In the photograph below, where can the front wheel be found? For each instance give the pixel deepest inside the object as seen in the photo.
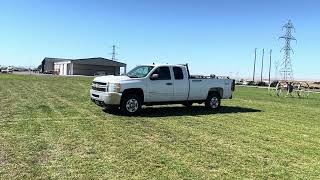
(213, 101)
(131, 104)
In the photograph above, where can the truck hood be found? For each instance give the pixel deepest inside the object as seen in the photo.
(111, 79)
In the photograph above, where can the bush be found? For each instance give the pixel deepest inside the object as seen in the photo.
(251, 83)
(262, 83)
(274, 83)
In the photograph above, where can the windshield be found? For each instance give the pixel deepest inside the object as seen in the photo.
(140, 71)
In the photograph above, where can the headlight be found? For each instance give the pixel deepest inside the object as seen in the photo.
(115, 87)
(118, 87)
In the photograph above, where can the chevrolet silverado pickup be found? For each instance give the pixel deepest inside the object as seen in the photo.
(159, 84)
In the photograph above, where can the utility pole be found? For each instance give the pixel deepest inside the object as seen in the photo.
(262, 65)
(254, 64)
(270, 67)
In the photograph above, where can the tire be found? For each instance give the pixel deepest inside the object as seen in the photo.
(213, 101)
(187, 104)
(131, 104)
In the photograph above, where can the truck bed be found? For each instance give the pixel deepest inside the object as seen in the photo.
(199, 87)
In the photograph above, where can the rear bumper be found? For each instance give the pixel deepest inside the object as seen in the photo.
(105, 98)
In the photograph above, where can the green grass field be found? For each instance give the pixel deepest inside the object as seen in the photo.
(49, 128)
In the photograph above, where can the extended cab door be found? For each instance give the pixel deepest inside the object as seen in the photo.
(160, 85)
(181, 84)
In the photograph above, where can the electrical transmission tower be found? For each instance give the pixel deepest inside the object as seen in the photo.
(286, 66)
(114, 53)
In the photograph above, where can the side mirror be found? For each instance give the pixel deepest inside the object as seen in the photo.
(154, 77)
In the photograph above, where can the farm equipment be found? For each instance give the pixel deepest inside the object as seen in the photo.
(293, 89)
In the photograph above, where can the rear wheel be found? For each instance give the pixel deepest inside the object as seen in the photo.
(213, 101)
(131, 104)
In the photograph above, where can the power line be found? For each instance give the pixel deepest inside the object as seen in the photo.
(276, 69)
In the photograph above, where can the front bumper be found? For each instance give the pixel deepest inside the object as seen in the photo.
(105, 98)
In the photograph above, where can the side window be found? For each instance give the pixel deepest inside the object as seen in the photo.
(164, 73)
(178, 74)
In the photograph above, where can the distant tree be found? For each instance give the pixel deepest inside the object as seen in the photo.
(39, 67)
(262, 83)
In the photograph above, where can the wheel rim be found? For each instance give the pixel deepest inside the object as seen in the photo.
(214, 102)
(132, 105)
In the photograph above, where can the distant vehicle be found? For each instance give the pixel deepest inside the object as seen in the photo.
(99, 74)
(9, 70)
(159, 84)
(239, 82)
(50, 72)
(249, 83)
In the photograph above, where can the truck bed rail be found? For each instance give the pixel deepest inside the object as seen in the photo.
(208, 77)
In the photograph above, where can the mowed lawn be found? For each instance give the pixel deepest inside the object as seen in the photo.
(49, 128)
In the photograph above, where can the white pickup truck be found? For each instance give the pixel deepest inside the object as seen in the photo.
(159, 84)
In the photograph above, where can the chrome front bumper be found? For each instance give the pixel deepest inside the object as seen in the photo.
(106, 98)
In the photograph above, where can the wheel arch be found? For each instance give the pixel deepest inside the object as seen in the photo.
(217, 90)
(136, 91)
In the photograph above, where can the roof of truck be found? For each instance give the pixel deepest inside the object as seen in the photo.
(179, 65)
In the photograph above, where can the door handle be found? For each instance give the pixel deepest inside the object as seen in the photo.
(169, 84)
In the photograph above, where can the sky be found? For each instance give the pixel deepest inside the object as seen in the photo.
(213, 37)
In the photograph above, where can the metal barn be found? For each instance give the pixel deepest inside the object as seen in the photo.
(88, 67)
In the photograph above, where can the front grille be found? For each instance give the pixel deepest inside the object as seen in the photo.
(99, 86)
(99, 83)
(99, 89)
